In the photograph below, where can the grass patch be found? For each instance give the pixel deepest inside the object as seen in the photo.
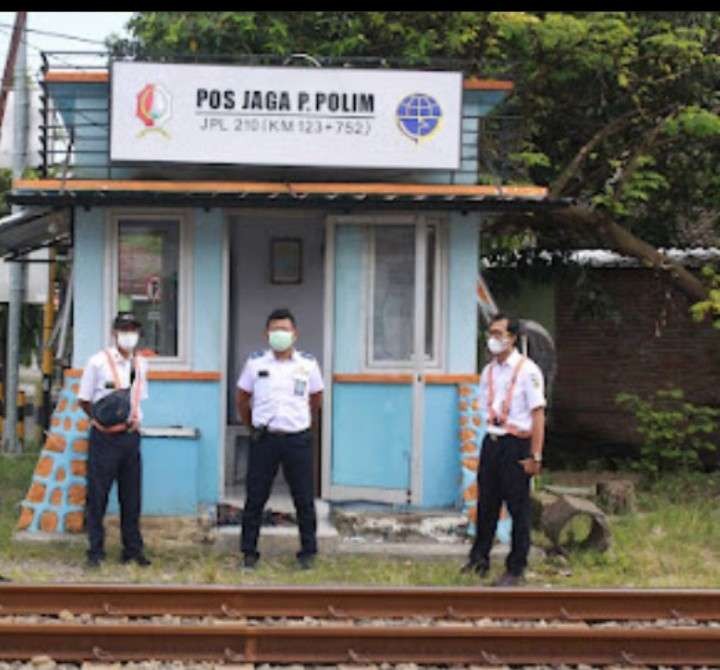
(15, 476)
(672, 541)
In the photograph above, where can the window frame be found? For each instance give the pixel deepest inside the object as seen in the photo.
(185, 219)
(440, 302)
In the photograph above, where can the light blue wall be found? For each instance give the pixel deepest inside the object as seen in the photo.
(372, 439)
(88, 284)
(208, 280)
(349, 298)
(372, 434)
(462, 307)
(170, 481)
(441, 447)
(179, 473)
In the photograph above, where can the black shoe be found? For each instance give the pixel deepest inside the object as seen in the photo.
(250, 561)
(508, 580)
(306, 562)
(142, 560)
(93, 562)
(475, 566)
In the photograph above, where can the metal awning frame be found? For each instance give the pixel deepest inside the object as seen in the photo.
(26, 221)
(335, 201)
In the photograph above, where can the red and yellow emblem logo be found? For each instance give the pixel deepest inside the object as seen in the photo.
(154, 109)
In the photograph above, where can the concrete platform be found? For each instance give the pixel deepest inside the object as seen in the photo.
(278, 540)
(283, 540)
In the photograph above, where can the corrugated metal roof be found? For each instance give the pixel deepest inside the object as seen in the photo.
(25, 231)
(355, 195)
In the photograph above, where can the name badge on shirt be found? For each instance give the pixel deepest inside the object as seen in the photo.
(300, 386)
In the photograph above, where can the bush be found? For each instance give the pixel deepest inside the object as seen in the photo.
(710, 307)
(676, 434)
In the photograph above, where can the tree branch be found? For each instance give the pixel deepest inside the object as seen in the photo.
(605, 231)
(634, 163)
(624, 242)
(559, 185)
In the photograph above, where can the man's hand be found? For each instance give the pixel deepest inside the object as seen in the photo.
(134, 425)
(531, 466)
(242, 401)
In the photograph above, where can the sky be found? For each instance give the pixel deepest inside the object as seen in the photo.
(89, 25)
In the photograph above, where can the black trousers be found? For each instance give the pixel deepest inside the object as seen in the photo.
(502, 478)
(294, 453)
(114, 457)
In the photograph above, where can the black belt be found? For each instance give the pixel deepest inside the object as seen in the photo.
(286, 433)
(497, 438)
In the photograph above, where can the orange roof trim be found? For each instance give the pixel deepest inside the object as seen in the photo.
(102, 76)
(292, 188)
(165, 375)
(92, 77)
(475, 84)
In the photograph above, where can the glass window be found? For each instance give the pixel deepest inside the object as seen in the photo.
(148, 264)
(393, 296)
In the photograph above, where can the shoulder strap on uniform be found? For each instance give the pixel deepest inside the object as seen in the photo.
(113, 368)
(136, 389)
(505, 407)
(511, 389)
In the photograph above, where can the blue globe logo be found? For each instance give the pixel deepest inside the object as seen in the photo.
(418, 116)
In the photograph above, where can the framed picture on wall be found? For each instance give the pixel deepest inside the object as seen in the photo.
(286, 260)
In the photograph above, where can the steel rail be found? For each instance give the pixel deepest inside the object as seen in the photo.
(336, 644)
(358, 602)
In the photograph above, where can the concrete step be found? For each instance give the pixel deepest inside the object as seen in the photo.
(282, 502)
(277, 540)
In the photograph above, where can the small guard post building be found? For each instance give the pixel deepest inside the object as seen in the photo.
(202, 196)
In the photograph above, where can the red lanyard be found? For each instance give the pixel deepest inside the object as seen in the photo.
(505, 407)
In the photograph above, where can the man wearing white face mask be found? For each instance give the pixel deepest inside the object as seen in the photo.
(113, 383)
(513, 400)
(278, 391)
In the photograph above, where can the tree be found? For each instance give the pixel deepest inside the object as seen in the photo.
(621, 109)
(5, 185)
(710, 307)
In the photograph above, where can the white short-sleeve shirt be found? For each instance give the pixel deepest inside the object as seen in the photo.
(281, 389)
(528, 394)
(97, 378)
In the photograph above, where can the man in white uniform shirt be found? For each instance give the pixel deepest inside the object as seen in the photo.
(278, 391)
(513, 400)
(113, 383)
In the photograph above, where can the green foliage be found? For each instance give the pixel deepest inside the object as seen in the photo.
(31, 321)
(648, 78)
(531, 159)
(710, 307)
(676, 433)
(695, 122)
(15, 478)
(5, 184)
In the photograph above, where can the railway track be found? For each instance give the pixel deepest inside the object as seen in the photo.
(110, 622)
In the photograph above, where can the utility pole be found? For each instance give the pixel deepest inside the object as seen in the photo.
(18, 28)
(17, 276)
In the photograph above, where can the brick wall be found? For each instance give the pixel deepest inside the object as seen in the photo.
(655, 345)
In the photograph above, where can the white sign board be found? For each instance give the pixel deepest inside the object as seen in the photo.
(285, 116)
